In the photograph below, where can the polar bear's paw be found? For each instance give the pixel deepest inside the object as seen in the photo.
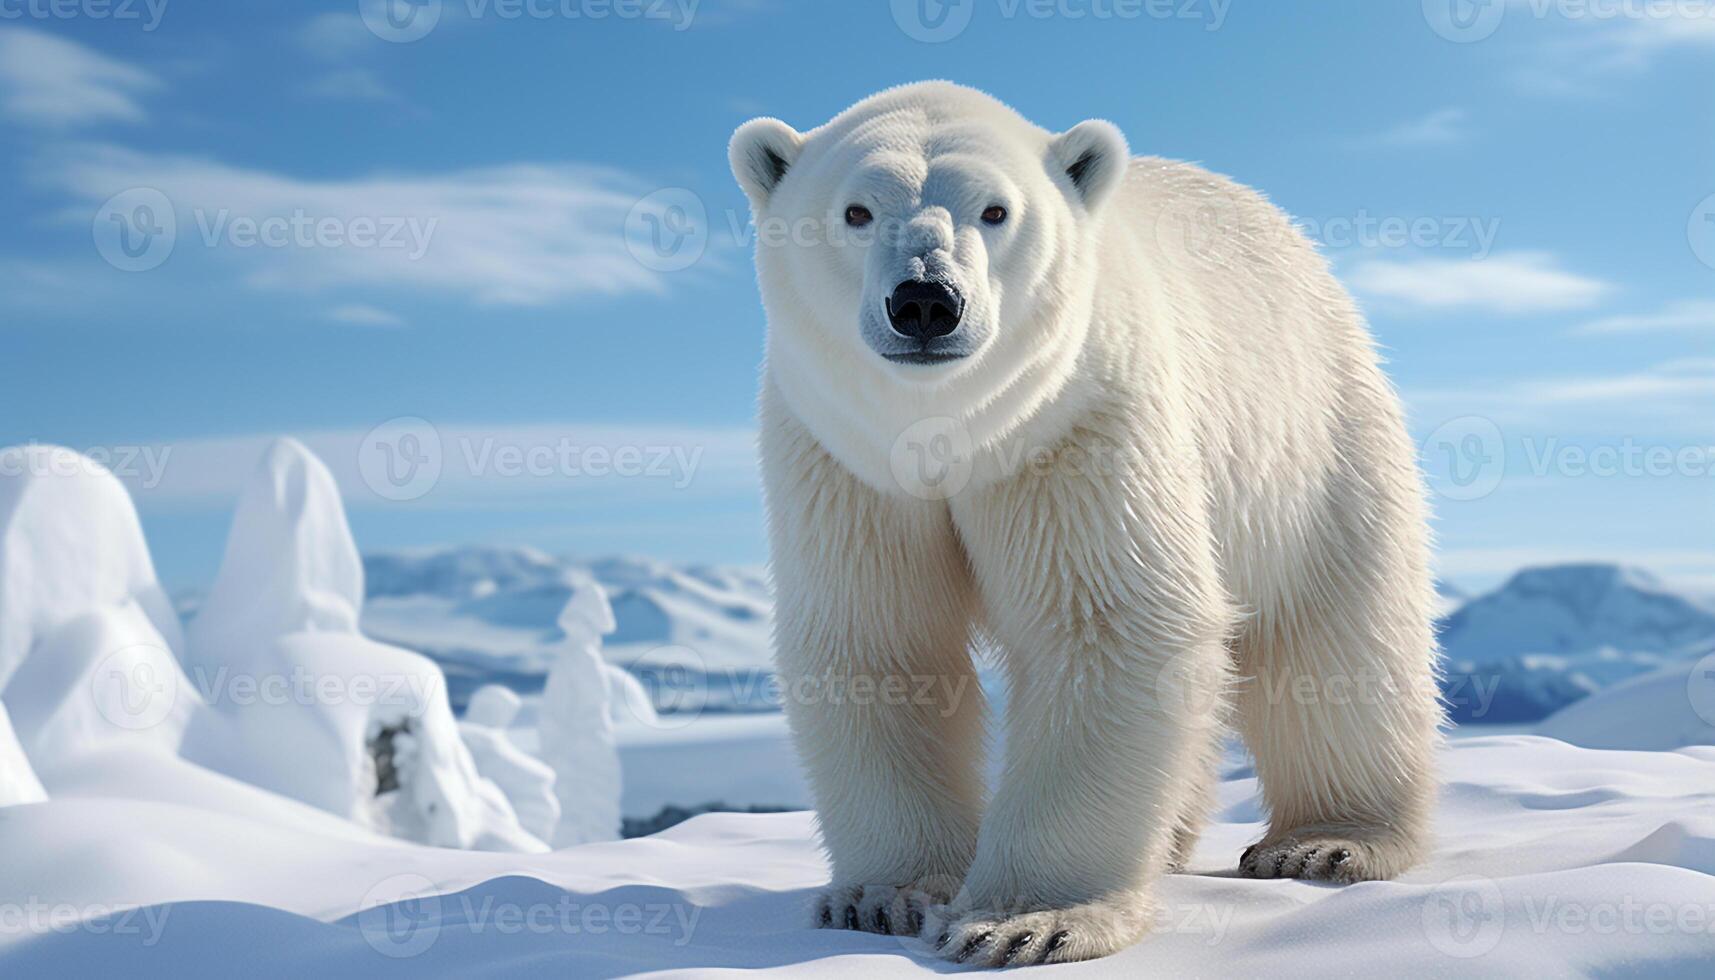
(891, 910)
(1050, 935)
(1313, 856)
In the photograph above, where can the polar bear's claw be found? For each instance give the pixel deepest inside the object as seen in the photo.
(1061, 935)
(885, 909)
(1316, 859)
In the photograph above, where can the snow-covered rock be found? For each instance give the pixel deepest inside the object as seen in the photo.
(304, 704)
(575, 724)
(527, 781)
(18, 782)
(1671, 708)
(87, 636)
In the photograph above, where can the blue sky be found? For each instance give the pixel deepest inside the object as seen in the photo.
(456, 228)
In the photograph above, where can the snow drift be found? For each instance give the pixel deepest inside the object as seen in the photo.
(306, 706)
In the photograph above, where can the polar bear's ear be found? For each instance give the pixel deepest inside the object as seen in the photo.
(761, 152)
(1093, 155)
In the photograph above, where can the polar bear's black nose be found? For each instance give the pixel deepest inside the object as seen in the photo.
(924, 310)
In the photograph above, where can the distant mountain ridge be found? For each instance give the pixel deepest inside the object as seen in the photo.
(1551, 635)
(1545, 638)
(488, 614)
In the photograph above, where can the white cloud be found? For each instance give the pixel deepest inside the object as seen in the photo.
(1589, 44)
(1678, 565)
(476, 466)
(49, 81)
(1690, 314)
(351, 85)
(364, 315)
(335, 35)
(1507, 283)
(519, 234)
(1671, 401)
(1439, 128)
(1691, 379)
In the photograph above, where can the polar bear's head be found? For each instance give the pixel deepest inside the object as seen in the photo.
(925, 225)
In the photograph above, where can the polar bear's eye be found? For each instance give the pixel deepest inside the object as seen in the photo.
(994, 215)
(857, 216)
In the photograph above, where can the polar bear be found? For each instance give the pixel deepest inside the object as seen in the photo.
(1113, 419)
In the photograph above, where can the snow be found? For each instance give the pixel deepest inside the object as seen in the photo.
(1553, 860)
(280, 794)
(1550, 636)
(527, 781)
(1669, 709)
(70, 543)
(575, 722)
(490, 615)
(18, 782)
(303, 704)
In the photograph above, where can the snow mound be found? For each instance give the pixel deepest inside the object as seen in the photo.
(1669, 709)
(527, 781)
(303, 704)
(575, 724)
(18, 782)
(1552, 860)
(87, 635)
(70, 542)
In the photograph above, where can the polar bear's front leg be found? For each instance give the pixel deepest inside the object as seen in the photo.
(1101, 591)
(873, 620)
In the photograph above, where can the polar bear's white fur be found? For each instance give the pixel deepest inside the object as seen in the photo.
(1155, 466)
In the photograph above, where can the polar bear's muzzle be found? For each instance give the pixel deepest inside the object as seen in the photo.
(924, 315)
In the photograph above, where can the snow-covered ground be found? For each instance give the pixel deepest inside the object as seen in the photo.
(347, 825)
(1553, 861)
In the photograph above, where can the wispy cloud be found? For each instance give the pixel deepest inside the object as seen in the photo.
(51, 82)
(520, 234)
(364, 315)
(1511, 283)
(352, 85)
(1690, 314)
(1671, 400)
(1439, 128)
(335, 35)
(458, 465)
(1586, 46)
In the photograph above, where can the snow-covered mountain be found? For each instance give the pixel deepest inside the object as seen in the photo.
(488, 616)
(1551, 635)
(1547, 637)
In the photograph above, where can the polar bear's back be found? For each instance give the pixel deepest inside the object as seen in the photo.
(1240, 318)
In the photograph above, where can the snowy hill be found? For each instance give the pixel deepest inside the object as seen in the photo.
(1546, 638)
(488, 616)
(1553, 635)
